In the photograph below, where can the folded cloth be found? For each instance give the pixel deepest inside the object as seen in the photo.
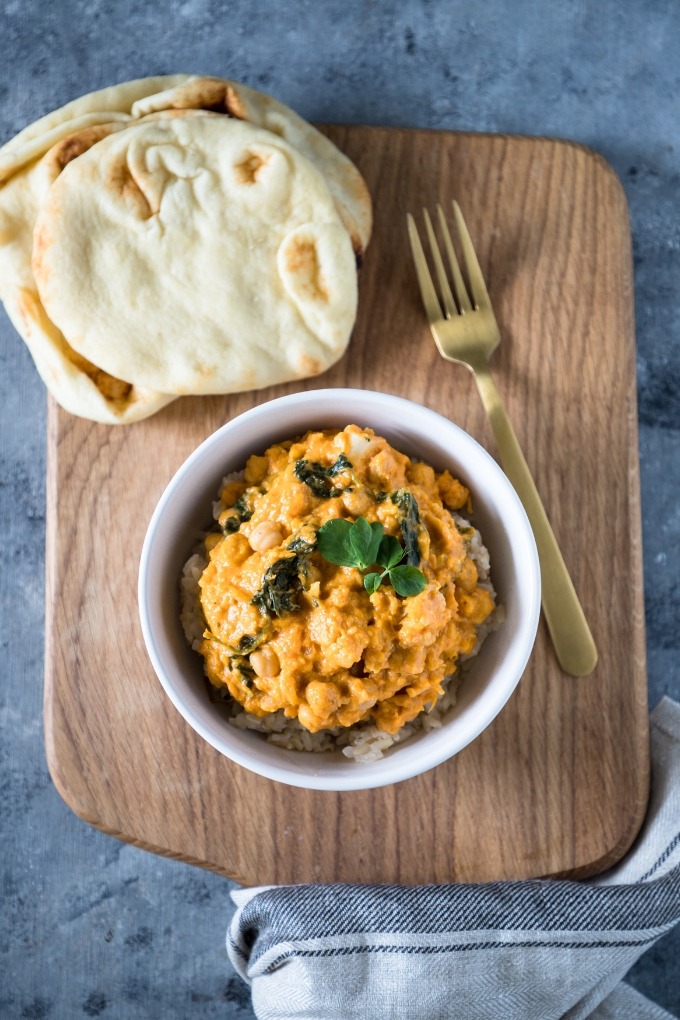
(535, 949)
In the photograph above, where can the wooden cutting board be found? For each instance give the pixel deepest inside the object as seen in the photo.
(558, 783)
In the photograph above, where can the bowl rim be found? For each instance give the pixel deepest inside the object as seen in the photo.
(398, 765)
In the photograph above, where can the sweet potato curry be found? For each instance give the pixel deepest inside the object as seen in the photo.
(287, 629)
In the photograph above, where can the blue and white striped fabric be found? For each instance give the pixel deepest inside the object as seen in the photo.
(540, 949)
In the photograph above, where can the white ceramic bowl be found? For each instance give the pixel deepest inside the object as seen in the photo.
(185, 508)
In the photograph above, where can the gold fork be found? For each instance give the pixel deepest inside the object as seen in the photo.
(465, 331)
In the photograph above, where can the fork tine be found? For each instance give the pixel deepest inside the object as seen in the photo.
(458, 282)
(444, 288)
(477, 286)
(427, 291)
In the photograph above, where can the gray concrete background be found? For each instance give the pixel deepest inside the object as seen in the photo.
(93, 927)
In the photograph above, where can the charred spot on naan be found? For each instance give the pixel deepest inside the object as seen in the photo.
(308, 366)
(74, 145)
(121, 181)
(32, 313)
(357, 247)
(212, 94)
(172, 114)
(301, 260)
(41, 242)
(360, 194)
(248, 168)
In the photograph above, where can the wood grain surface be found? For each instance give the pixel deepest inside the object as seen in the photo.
(558, 783)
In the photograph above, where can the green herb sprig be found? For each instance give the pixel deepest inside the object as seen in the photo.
(364, 545)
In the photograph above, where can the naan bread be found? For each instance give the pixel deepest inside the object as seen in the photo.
(135, 99)
(192, 253)
(81, 387)
(31, 163)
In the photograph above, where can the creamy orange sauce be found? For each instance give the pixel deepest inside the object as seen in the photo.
(338, 655)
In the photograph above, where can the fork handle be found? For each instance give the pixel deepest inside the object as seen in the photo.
(571, 637)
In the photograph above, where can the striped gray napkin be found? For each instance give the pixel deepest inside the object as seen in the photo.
(537, 949)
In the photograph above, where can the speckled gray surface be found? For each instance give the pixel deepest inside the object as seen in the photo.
(89, 926)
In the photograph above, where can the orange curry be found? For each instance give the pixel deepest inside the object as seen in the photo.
(286, 629)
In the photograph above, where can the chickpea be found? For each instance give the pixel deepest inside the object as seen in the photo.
(265, 662)
(467, 578)
(265, 535)
(323, 698)
(357, 502)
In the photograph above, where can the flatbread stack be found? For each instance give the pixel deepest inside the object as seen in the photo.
(177, 235)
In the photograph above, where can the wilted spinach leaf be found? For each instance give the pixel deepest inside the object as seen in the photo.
(410, 524)
(317, 476)
(283, 580)
(241, 511)
(280, 586)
